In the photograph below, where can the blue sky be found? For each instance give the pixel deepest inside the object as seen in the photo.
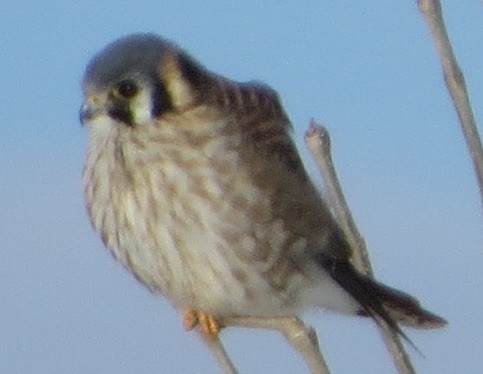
(368, 71)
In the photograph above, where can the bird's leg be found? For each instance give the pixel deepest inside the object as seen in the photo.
(209, 325)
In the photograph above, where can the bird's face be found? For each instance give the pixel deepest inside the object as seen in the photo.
(127, 101)
(136, 81)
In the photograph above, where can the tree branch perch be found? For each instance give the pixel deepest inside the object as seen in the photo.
(455, 82)
(318, 141)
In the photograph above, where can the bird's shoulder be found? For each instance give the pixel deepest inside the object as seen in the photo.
(259, 114)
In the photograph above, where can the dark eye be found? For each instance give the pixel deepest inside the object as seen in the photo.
(127, 89)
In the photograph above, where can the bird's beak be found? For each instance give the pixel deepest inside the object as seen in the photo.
(90, 109)
(85, 113)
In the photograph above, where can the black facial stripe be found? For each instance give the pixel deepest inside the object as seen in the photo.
(192, 72)
(121, 113)
(161, 100)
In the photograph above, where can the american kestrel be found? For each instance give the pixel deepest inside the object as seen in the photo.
(195, 185)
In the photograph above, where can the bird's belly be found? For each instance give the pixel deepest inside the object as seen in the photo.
(220, 252)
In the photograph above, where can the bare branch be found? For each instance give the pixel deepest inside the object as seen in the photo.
(455, 82)
(219, 353)
(301, 337)
(318, 141)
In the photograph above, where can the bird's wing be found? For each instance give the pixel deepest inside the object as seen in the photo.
(253, 105)
(258, 110)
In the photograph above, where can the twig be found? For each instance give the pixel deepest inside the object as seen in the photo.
(318, 141)
(219, 353)
(301, 337)
(455, 82)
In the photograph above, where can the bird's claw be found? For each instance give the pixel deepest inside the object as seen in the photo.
(210, 327)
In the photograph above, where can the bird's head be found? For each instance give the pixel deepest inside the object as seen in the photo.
(137, 79)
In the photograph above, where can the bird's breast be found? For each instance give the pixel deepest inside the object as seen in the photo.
(190, 222)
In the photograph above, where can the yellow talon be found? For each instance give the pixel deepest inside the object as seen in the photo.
(209, 325)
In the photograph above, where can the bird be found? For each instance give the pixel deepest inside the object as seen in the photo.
(195, 185)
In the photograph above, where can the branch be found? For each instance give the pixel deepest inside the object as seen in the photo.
(455, 82)
(219, 353)
(318, 141)
(301, 337)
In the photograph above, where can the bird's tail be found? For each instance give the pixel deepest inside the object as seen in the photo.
(378, 300)
(405, 309)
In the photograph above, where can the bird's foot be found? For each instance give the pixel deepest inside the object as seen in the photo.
(210, 327)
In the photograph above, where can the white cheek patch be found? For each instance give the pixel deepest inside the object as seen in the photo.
(141, 107)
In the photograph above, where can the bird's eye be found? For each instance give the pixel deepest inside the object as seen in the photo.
(127, 89)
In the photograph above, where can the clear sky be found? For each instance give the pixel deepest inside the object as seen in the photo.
(367, 70)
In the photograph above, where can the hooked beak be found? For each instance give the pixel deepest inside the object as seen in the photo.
(90, 109)
(93, 108)
(85, 113)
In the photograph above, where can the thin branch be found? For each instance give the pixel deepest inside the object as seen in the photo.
(455, 82)
(318, 141)
(220, 354)
(301, 337)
